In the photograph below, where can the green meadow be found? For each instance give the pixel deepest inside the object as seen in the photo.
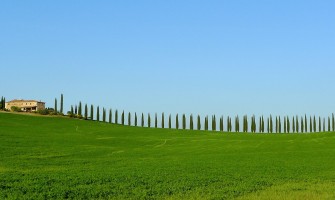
(59, 157)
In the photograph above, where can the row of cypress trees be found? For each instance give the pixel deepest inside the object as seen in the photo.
(274, 125)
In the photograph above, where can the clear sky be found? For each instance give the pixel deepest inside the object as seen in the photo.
(208, 57)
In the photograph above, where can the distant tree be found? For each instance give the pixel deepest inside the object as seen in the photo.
(61, 104)
(103, 115)
(98, 114)
(135, 120)
(324, 125)
(116, 116)
(199, 123)
(213, 123)
(314, 123)
(237, 124)
(328, 124)
(297, 124)
(191, 122)
(170, 122)
(184, 121)
(71, 112)
(92, 111)
(268, 125)
(260, 124)
(263, 125)
(1, 103)
(293, 125)
(156, 121)
(129, 119)
(55, 108)
(142, 120)
(163, 120)
(149, 120)
(122, 117)
(221, 123)
(319, 124)
(76, 110)
(79, 109)
(110, 116)
(177, 122)
(206, 123)
(271, 124)
(279, 124)
(86, 112)
(333, 122)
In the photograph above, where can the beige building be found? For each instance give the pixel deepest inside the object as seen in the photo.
(26, 105)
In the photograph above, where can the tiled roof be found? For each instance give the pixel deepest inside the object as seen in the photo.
(22, 100)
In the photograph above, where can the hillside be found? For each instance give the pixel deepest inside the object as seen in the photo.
(55, 157)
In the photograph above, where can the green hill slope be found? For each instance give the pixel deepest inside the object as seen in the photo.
(50, 157)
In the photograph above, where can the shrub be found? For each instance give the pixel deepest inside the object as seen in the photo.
(43, 112)
(15, 109)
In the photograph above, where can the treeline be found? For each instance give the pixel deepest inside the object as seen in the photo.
(2, 103)
(270, 124)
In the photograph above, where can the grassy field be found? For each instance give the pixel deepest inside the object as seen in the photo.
(55, 157)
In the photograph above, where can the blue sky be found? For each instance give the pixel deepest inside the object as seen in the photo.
(206, 57)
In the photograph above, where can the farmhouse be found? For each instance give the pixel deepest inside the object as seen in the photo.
(25, 105)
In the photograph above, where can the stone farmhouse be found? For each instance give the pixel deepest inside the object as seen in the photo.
(25, 105)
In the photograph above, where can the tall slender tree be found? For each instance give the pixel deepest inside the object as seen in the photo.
(1, 103)
(310, 124)
(191, 122)
(156, 121)
(149, 120)
(319, 124)
(221, 123)
(135, 120)
(170, 122)
(306, 124)
(122, 117)
(110, 117)
(302, 125)
(198, 123)
(61, 104)
(314, 123)
(271, 124)
(103, 115)
(329, 124)
(116, 116)
(55, 108)
(79, 109)
(293, 125)
(324, 125)
(129, 119)
(297, 124)
(163, 124)
(263, 126)
(76, 110)
(288, 124)
(237, 124)
(206, 123)
(333, 122)
(98, 114)
(71, 112)
(284, 124)
(92, 111)
(213, 123)
(86, 112)
(184, 121)
(279, 124)
(142, 120)
(268, 125)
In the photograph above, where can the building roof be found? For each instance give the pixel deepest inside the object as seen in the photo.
(22, 101)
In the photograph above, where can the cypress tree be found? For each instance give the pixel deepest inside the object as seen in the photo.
(306, 124)
(135, 121)
(122, 117)
(302, 125)
(61, 103)
(92, 117)
(156, 122)
(228, 124)
(170, 122)
(163, 124)
(328, 124)
(199, 123)
(271, 124)
(268, 126)
(4, 103)
(55, 106)
(191, 122)
(86, 112)
(103, 115)
(142, 120)
(149, 120)
(284, 124)
(129, 119)
(260, 124)
(221, 123)
(206, 123)
(1, 103)
(324, 125)
(333, 122)
(110, 116)
(98, 114)
(213, 123)
(319, 124)
(76, 110)
(293, 125)
(79, 109)
(263, 126)
(71, 112)
(314, 124)
(116, 116)
(184, 121)
(177, 122)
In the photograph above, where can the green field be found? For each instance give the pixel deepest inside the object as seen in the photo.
(58, 157)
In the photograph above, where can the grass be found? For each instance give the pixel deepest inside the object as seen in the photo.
(57, 158)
